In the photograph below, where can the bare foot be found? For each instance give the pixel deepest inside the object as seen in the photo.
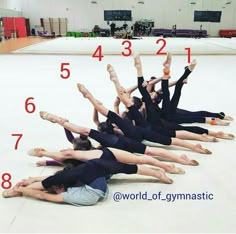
(171, 168)
(52, 118)
(83, 90)
(162, 176)
(137, 60)
(186, 161)
(226, 117)
(206, 138)
(113, 76)
(10, 193)
(221, 122)
(38, 152)
(223, 135)
(167, 62)
(201, 150)
(229, 118)
(192, 65)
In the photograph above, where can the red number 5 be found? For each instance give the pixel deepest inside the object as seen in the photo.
(65, 70)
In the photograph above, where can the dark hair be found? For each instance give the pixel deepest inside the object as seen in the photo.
(158, 98)
(126, 115)
(71, 163)
(106, 127)
(137, 102)
(54, 188)
(82, 143)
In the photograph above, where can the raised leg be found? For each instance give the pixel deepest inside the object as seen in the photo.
(181, 134)
(97, 105)
(196, 148)
(142, 170)
(166, 154)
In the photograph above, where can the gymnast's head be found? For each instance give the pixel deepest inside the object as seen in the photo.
(82, 143)
(137, 102)
(106, 127)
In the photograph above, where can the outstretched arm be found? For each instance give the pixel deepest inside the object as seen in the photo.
(116, 106)
(171, 83)
(39, 194)
(95, 117)
(69, 135)
(151, 83)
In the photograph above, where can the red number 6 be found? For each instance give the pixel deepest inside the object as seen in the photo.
(27, 104)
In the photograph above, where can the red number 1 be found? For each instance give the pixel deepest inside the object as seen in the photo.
(189, 54)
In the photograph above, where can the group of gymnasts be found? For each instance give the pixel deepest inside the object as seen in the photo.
(124, 140)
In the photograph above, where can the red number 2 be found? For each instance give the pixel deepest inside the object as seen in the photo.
(162, 47)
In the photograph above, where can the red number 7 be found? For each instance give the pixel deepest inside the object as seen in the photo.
(17, 141)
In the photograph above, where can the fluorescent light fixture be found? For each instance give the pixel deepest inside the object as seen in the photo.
(140, 2)
(192, 3)
(94, 2)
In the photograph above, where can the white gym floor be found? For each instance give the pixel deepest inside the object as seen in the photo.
(211, 87)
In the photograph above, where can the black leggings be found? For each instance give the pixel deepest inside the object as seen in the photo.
(140, 121)
(183, 116)
(153, 114)
(136, 132)
(153, 110)
(87, 172)
(118, 142)
(170, 110)
(194, 129)
(169, 107)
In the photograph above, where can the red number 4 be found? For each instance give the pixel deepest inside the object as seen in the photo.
(98, 53)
